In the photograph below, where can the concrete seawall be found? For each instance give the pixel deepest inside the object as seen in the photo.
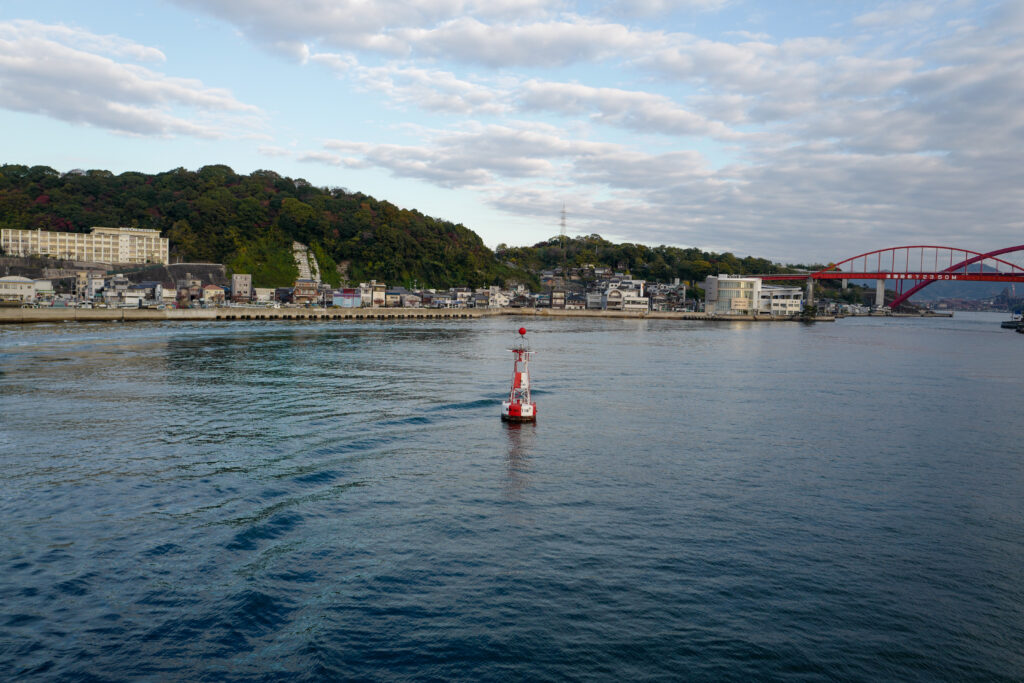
(49, 315)
(43, 315)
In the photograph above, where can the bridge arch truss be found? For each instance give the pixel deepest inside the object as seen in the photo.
(923, 265)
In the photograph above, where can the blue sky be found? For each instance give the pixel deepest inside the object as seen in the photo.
(796, 131)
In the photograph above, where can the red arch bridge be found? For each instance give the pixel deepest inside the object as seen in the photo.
(913, 268)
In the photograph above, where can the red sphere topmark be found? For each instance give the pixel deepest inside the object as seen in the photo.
(522, 330)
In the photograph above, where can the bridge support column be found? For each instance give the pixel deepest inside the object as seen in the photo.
(846, 284)
(879, 293)
(810, 291)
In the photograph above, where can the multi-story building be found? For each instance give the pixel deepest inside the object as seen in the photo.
(780, 300)
(102, 245)
(732, 294)
(241, 287)
(305, 291)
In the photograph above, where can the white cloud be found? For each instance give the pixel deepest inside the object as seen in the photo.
(640, 111)
(896, 15)
(115, 46)
(546, 44)
(427, 89)
(273, 151)
(40, 74)
(903, 119)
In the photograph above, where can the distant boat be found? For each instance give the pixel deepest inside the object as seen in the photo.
(1013, 323)
(520, 407)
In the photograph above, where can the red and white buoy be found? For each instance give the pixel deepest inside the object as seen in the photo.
(520, 407)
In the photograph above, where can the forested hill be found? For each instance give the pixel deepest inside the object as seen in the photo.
(660, 264)
(248, 222)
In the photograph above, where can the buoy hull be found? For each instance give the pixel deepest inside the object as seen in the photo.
(518, 412)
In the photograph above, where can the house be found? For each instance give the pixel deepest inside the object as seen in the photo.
(263, 294)
(558, 299)
(348, 297)
(17, 288)
(213, 295)
(522, 300)
(150, 291)
(305, 291)
(283, 295)
(115, 289)
(442, 300)
(43, 290)
(498, 298)
(634, 302)
(575, 302)
(612, 300)
(193, 289)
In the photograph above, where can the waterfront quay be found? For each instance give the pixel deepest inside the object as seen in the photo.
(51, 315)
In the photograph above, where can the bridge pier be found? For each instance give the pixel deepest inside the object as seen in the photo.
(879, 293)
(810, 291)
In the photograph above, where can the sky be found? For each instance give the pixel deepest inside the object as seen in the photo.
(796, 131)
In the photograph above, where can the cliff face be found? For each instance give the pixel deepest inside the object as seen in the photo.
(250, 221)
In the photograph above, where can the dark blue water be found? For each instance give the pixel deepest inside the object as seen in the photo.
(304, 501)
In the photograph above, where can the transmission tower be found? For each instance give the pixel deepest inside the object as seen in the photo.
(565, 270)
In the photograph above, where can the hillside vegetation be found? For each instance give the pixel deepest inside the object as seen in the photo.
(649, 263)
(248, 222)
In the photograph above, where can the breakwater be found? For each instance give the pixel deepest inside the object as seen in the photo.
(50, 315)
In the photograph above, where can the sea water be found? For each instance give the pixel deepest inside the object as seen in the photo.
(314, 500)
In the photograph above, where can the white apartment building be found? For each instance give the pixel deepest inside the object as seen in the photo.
(102, 245)
(732, 294)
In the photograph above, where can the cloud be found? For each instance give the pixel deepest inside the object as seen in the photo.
(321, 158)
(902, 120)
(112, 45)
(427, 89)
(45, 70)
(895, 15)
(639, 111)
(547, 44)
(474, 157)
(273, 151)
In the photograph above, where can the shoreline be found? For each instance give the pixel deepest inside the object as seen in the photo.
(17, 316)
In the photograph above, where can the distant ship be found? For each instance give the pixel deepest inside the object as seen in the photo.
(1014, 323)
(520, 407)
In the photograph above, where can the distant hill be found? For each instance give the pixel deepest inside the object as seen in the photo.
(662, 263)
(249, 222)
